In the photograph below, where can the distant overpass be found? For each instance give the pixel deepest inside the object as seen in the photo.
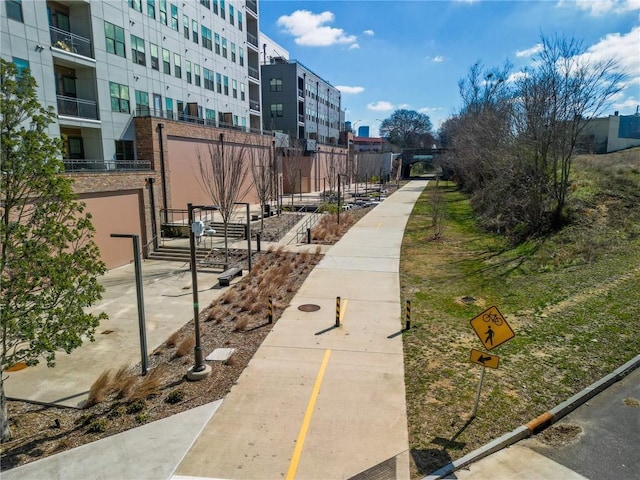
(422, 155)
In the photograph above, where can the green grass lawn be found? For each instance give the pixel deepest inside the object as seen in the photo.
(573, 300)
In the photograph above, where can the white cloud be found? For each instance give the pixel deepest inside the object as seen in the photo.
(438, 59)
(430, 110)
(515, 76)
(310, 29)
(598, 8)
(354, 46)
(530, 51)
(368, 32)
(621, 47)
(380, 106)
(349, 89)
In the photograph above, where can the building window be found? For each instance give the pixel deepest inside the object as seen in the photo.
(240, 21)
(174, 17)
(226, 85)
(219, 82)
(188, 69)
(210, 115)
(114, 37)
(151, 8)
(154, 57)
(119, 97)
(136, 5)
(21, 65)
(224, 47)
(208, 79)
(276, 110)
(275, 84)
(166, 61)
(217, 39)
(163, 11)
(231, 15)
(177, 65)
(14, 10)
(222, 12)
(185, 26)
(242, 95)
(194, 31)
(206, 37)
(124, 150)
(142, 103)
(206, 3)
(137, 51)
(233, 52)
(241, 56)
(169, 105)
(215, 6)
(196, 74)
(234, 88)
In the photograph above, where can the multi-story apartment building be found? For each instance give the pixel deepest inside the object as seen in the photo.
(140, 88)
(300, 104)
(98, 63)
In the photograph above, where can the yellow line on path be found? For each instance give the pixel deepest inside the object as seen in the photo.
(344, 307)
(295, 459)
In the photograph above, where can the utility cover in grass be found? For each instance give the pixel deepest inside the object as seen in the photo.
(220, 354)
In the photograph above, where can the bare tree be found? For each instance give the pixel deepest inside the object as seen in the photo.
(263, 174)
(223, 170)
(291, 164)
(556, 100)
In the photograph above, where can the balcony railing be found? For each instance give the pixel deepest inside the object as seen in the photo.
(77, 107)
(70, 42)
(90, 166)
(253, 73)
(253, 40)
(254, 105)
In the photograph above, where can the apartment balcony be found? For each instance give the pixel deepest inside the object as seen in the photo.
(254, 105)
(70, 42)
(254, 73)
(253, 6)
(97, 166)
(252, 39)
(77, 107)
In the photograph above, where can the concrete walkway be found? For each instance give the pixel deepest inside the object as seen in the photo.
(319, 401)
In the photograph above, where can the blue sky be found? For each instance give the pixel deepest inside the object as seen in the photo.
(385, 54)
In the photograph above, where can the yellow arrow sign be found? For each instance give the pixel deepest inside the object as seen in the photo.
(484, 359)
(492, 329)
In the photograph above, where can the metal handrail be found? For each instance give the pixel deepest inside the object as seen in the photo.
(309, 222)
(70, 42)
(73, 165)
(77, 107)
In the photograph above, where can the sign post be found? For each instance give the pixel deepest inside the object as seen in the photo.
(492, 330)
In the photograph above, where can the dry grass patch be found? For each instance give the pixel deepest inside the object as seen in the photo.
(185, 347)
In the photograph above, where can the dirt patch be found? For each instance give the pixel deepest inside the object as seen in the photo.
(560, 434)
(632, 402)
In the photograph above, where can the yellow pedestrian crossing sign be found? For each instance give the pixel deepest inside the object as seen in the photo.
(492, 329)
(484, 359)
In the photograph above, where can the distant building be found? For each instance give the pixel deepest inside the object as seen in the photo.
(299, 103)
(610, 134)
(363, 131)
(368, 144)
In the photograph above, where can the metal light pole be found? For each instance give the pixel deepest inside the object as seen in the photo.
(248, 231)
(139, 295)
(199, 370)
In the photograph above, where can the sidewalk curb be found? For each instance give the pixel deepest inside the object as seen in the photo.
(539, 423)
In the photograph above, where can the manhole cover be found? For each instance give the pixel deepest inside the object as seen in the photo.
(309, 307)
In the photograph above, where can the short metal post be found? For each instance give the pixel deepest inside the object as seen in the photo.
(337, 311)
(270, 310)
(408, 316)
(258, 242)
(475, 407)
(308, 236)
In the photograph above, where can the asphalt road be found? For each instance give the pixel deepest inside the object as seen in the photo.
(609, 445)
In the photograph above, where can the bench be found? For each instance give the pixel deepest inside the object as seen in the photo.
(225, 277)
